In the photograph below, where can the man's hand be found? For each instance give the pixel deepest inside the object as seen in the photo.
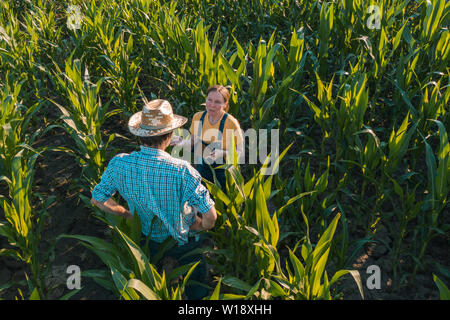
(112, 207)
(206, 221)
(197, 225)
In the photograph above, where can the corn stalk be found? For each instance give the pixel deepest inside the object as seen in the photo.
(83, 118)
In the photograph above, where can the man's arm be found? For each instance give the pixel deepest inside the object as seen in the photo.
(206, 221)
(112, 207)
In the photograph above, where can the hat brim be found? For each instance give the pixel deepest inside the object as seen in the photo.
(134, 125)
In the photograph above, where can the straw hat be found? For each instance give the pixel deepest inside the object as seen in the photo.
(155, 119)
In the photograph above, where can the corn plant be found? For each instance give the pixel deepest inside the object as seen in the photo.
(96, 33)
(398, 144)
(243, 206)
(305, 281)
(343, 242)
(444, 293)
(323, 114)
(24, 223)
(215, 65)
(350, 115)
(325, 29)
(41, 25)
(408, 212)
(347, 15)
(404, 73)
(14, 54)
(216, 295)
(82, 120)
(14, 123)
(436, 200)
(121, 70)
(190, 61)
(242, 259)
(172, 44)
(131, 275)
(343, 122)
(305, 182)
(432, 106)
(442, 50)
(291, 67)
(370, 160)
(433, 19)
(263, 58)
(371, 155)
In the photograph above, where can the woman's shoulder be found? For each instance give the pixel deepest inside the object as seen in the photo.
(233, 120)
(197, 115)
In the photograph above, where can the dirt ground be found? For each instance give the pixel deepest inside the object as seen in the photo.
(55, 173)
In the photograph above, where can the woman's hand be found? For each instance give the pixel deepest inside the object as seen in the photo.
(176, 140)
(179, 142)
(217, 154)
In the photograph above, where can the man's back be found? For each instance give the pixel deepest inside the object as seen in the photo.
(155, 184)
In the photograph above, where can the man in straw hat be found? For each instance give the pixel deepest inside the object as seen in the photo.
(166, 192)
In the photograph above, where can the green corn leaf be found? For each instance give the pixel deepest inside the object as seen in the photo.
(444, 146)
(253, 290)
(179, 271)
(443, 290)
(432, 20)
(356, 276)
(216, 292)
(143, 289)
(35, 295)
(237, 283)
(189, 273)
(276, 290)
(292, 200)
(5, 229)
(12, 253)
(327, 236)
(397, 38)
(299, 269)
(322, 182)
(265, 167)
(146, 271)
(121, 284)
(263, 221)
(318, 270)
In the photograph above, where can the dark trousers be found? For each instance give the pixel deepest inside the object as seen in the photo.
(193, 291)
(206, 173)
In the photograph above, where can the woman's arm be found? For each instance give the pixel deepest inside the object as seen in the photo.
(180, 142)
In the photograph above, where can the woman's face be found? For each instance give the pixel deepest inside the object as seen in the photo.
(215, 102)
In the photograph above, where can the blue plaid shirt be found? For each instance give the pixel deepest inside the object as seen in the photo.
(155, 184)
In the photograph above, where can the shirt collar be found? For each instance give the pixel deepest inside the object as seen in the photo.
(153, 151)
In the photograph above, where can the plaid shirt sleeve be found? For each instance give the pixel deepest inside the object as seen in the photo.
(196, 194)
(106, 188)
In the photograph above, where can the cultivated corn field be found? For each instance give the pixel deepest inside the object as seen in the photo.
(359, 91)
